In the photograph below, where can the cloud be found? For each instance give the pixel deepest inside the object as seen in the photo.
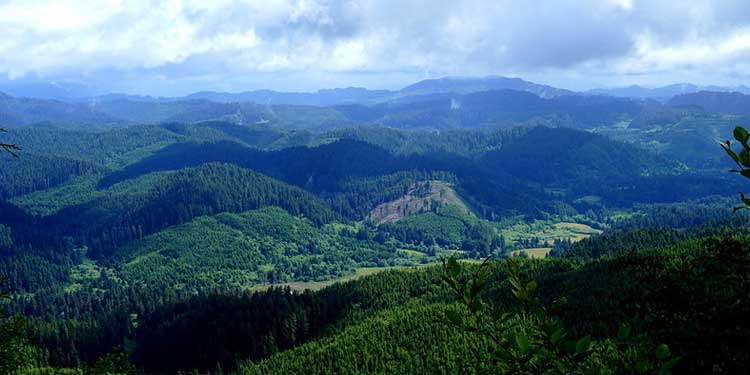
(305, 44)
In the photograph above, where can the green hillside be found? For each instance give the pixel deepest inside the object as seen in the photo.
(600, 297)
(262, 246)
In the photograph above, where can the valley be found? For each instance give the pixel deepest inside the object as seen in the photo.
(301, 286)
(209, 235)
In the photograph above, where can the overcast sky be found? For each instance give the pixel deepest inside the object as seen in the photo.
(176, 47)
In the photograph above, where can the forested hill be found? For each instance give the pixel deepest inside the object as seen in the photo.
(316, 168)
(125, 239)
(550, 156)
(650, 290)
(153, 202)
(722, 102)
(566, 157)
(253, 247)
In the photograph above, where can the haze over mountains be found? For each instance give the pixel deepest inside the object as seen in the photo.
(664, 93)
(81, 92)
(446, 103)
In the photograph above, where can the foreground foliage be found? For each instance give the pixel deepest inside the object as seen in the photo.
(633, 313)
(530, 339)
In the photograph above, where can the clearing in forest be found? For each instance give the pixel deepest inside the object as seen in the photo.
(424, 196)
(534, 253)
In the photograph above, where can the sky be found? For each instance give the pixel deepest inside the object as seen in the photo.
(178, 47)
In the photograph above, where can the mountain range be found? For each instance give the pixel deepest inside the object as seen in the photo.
(664, 93)
(75, 92)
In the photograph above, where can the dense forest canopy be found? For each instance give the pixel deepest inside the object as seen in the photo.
(206, 235)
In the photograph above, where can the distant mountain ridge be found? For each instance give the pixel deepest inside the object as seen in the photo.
(663, 93)
(25, 111)
(52, 90)
(419, 91)
(80, 93)
(428, 110)
(325, 97)
(434, 104)
(460, 85)
(77, 92)
(712, 101)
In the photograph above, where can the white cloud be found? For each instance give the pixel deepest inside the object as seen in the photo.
(568, 42)
(692, 52)
(624, 4)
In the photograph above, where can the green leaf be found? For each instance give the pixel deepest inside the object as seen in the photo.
(668, 365)
(740, 134)
(557, 336)
(731, 153)
(744, 156)
(485, 262)
(483, 274)
(512, 266)
(504, 355)
(515, 282)
(531, 286)
(524, 345)
(448, 281)
(583, 345)
(476, 287)
(662, 352)
(503, 318)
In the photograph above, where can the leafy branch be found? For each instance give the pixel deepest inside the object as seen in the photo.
(9, 147)
(529, 340)
(741, 159)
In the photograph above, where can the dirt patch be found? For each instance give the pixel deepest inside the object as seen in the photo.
(424, 196)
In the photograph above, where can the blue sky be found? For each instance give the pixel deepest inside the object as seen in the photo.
(176, 47)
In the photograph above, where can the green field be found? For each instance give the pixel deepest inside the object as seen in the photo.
(534, 253)
(544, 233)
(577, 231)
(317, 285)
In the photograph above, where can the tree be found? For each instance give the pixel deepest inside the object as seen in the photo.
(15, 350)
(112, 364)
(9, 147)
